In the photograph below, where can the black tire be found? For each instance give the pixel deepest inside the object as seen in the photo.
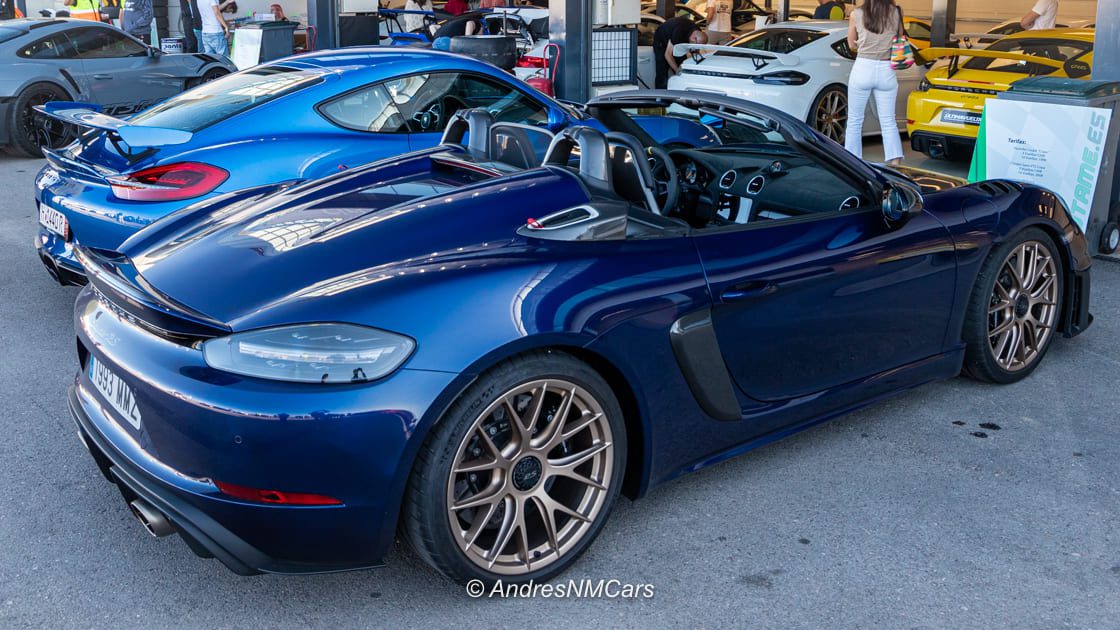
(499, 50)
(30, 130)
(426, 510)
(981, 322)
(829, 113)
(208, 76)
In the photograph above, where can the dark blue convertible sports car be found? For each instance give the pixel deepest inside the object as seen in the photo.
(486, 354)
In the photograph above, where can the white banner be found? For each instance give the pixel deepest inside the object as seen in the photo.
(1059, 147)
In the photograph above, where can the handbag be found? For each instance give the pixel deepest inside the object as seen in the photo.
(902, 54)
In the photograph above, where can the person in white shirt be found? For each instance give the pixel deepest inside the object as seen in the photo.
(1043, 15)
(413, 21)
(719, 21)
(214, 27)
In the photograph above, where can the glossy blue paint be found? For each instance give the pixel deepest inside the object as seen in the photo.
(814, 317)
(279, 140)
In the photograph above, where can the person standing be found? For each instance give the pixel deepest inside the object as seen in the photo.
(214, 27)
(1044, 14)
(413, 22)
(84, 9)
(871, 31)
(829, 10)
(719, 20)
(678, 30)
(136, 19)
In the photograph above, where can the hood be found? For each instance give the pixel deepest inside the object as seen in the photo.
(243, 259)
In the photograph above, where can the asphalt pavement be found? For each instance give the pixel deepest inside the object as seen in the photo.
(955, 505)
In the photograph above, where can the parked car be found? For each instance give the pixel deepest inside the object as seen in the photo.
(297, 118)
(79, 60)
(800, 68)
(999, 31)
(943, 113)
(485, 355)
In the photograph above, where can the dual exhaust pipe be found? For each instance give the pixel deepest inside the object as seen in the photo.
(152, 519)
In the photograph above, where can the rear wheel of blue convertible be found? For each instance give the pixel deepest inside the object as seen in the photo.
(1015, 308)
(31, 131)
(518, 477)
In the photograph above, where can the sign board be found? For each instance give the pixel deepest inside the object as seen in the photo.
(1058, 147)
(247, 47)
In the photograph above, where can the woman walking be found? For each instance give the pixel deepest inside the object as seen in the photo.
(871, 31)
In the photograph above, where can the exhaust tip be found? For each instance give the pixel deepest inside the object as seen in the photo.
(152, 519)
(936, 149)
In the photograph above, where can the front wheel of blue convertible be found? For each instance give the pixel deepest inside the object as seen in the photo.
(1015, 308)
(518, 478)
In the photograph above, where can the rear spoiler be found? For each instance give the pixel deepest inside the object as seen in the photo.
(954, 55)
(132, 298)
(760, 58)
(90, 116)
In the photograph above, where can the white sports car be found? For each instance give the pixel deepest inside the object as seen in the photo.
(800, 68)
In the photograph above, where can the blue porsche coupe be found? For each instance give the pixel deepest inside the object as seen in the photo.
(483, 355)
(296, 118)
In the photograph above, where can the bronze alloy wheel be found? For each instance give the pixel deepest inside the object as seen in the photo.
(1024, 306)
(530, 476)
(830, 114)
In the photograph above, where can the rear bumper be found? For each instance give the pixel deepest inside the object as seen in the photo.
(942, 144)
(58, 257)
(354, 443)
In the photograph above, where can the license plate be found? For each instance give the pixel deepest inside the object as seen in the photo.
(54, 221)
(959, 117)
(118, 394)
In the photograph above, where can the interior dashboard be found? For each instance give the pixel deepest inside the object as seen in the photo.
(730, 185)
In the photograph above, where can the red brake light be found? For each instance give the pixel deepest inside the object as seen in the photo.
(274, 497)
(169, 182)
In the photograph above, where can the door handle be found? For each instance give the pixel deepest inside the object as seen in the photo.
(102, 77)
(749, 289)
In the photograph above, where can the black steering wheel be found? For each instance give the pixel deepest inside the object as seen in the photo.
(432, 117)
(665, 179)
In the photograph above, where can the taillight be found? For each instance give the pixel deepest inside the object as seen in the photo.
(787, 77)
(923, 85)
(274, 497)
(169, 182)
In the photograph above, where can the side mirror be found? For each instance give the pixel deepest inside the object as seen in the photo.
(557, 120)
(900, 203)
(1076, 69)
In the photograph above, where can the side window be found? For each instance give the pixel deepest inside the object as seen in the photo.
(508, 104)
(56, 46)
(917, 30)
(843, 49)
(368, 109)
(104, 43)
(427, 101)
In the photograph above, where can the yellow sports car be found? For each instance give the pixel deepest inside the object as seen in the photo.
(943, 112)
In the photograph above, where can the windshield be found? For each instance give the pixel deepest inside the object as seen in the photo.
(225, 97)
(1056, 49)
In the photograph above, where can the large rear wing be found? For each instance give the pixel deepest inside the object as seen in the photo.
(954, 55)
(699, 52)
(90, 116)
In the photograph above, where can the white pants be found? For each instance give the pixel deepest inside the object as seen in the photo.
(872, 77)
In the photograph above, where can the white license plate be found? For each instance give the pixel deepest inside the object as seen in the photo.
(116, 392)
(54, 221)
(957, 116)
